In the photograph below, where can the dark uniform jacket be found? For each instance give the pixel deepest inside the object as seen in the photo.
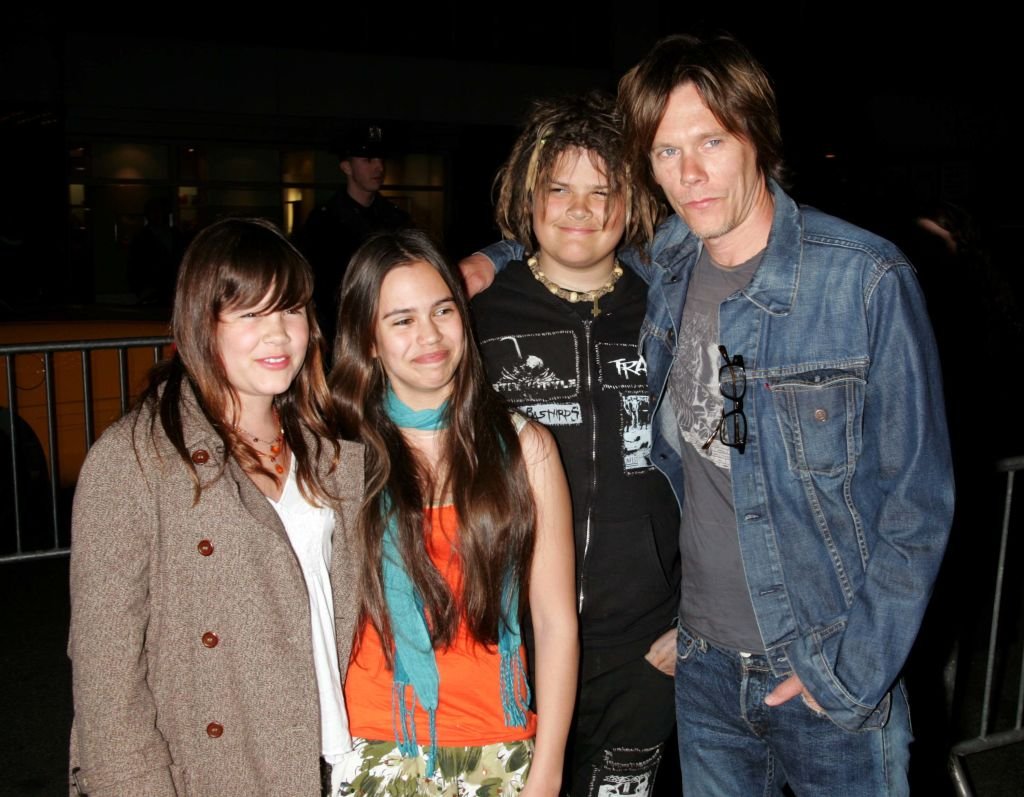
(330, 237)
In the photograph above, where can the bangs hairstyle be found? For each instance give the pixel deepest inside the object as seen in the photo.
(236, 263)
(232, 264)
(733, 85)
(589, 123)
(480, 464)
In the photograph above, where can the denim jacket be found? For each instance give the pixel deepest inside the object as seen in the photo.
(844, 494)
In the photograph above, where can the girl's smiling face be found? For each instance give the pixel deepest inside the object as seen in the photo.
(262, 350)
(419, 337)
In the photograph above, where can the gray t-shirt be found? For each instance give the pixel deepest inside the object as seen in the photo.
(714, 601)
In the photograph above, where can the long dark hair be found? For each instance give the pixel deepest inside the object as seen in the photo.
(480, 458)
(240, 263)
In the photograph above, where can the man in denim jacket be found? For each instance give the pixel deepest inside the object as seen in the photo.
(799, 418)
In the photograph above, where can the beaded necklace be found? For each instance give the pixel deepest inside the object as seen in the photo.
(276, 445)
(576, 296)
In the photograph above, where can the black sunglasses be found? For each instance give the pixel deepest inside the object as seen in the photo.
(731, 428)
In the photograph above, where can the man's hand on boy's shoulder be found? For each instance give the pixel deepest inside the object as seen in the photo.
(477, 273)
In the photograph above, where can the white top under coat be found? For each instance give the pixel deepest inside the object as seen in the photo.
(309, 531)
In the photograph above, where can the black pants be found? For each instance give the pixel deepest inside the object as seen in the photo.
(625, 711)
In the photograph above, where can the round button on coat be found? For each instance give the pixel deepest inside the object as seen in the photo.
(200, 456)
(214, 730)
(210, 639)
(821, 415)
(205, 547)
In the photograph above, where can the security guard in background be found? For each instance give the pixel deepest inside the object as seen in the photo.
(335, 230)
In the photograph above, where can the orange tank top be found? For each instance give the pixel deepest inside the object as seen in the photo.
(469, 710)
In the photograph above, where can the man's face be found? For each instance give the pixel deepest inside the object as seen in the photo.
(366, 174)
(709, 175)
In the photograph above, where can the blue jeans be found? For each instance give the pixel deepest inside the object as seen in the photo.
(731, 743)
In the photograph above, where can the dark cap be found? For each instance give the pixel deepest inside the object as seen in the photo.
(365, 141)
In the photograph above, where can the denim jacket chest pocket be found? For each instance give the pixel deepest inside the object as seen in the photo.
(819, 412)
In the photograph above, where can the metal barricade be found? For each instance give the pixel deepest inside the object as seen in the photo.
(52, 419)
(1001, 721)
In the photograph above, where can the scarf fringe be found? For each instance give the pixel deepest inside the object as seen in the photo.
(403, 718)
(403, 722)
(515, 690)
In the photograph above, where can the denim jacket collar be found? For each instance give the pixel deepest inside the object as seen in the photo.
(774, 285)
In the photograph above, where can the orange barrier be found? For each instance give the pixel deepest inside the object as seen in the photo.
(69, 386)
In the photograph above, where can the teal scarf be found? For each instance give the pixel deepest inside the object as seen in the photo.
(415, 662)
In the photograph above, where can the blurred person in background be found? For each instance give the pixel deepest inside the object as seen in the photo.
(334, 230)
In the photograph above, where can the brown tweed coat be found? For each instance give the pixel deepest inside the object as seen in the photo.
(190, 625)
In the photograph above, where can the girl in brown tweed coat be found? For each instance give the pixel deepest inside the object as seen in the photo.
(212, 609)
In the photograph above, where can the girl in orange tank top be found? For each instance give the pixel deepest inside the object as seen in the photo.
(467, 521)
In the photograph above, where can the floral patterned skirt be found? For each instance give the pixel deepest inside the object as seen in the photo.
(378, 769)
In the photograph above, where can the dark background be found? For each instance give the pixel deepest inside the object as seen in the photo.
(885, 106)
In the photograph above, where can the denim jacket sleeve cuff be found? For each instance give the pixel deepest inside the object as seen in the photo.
(502, 253)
